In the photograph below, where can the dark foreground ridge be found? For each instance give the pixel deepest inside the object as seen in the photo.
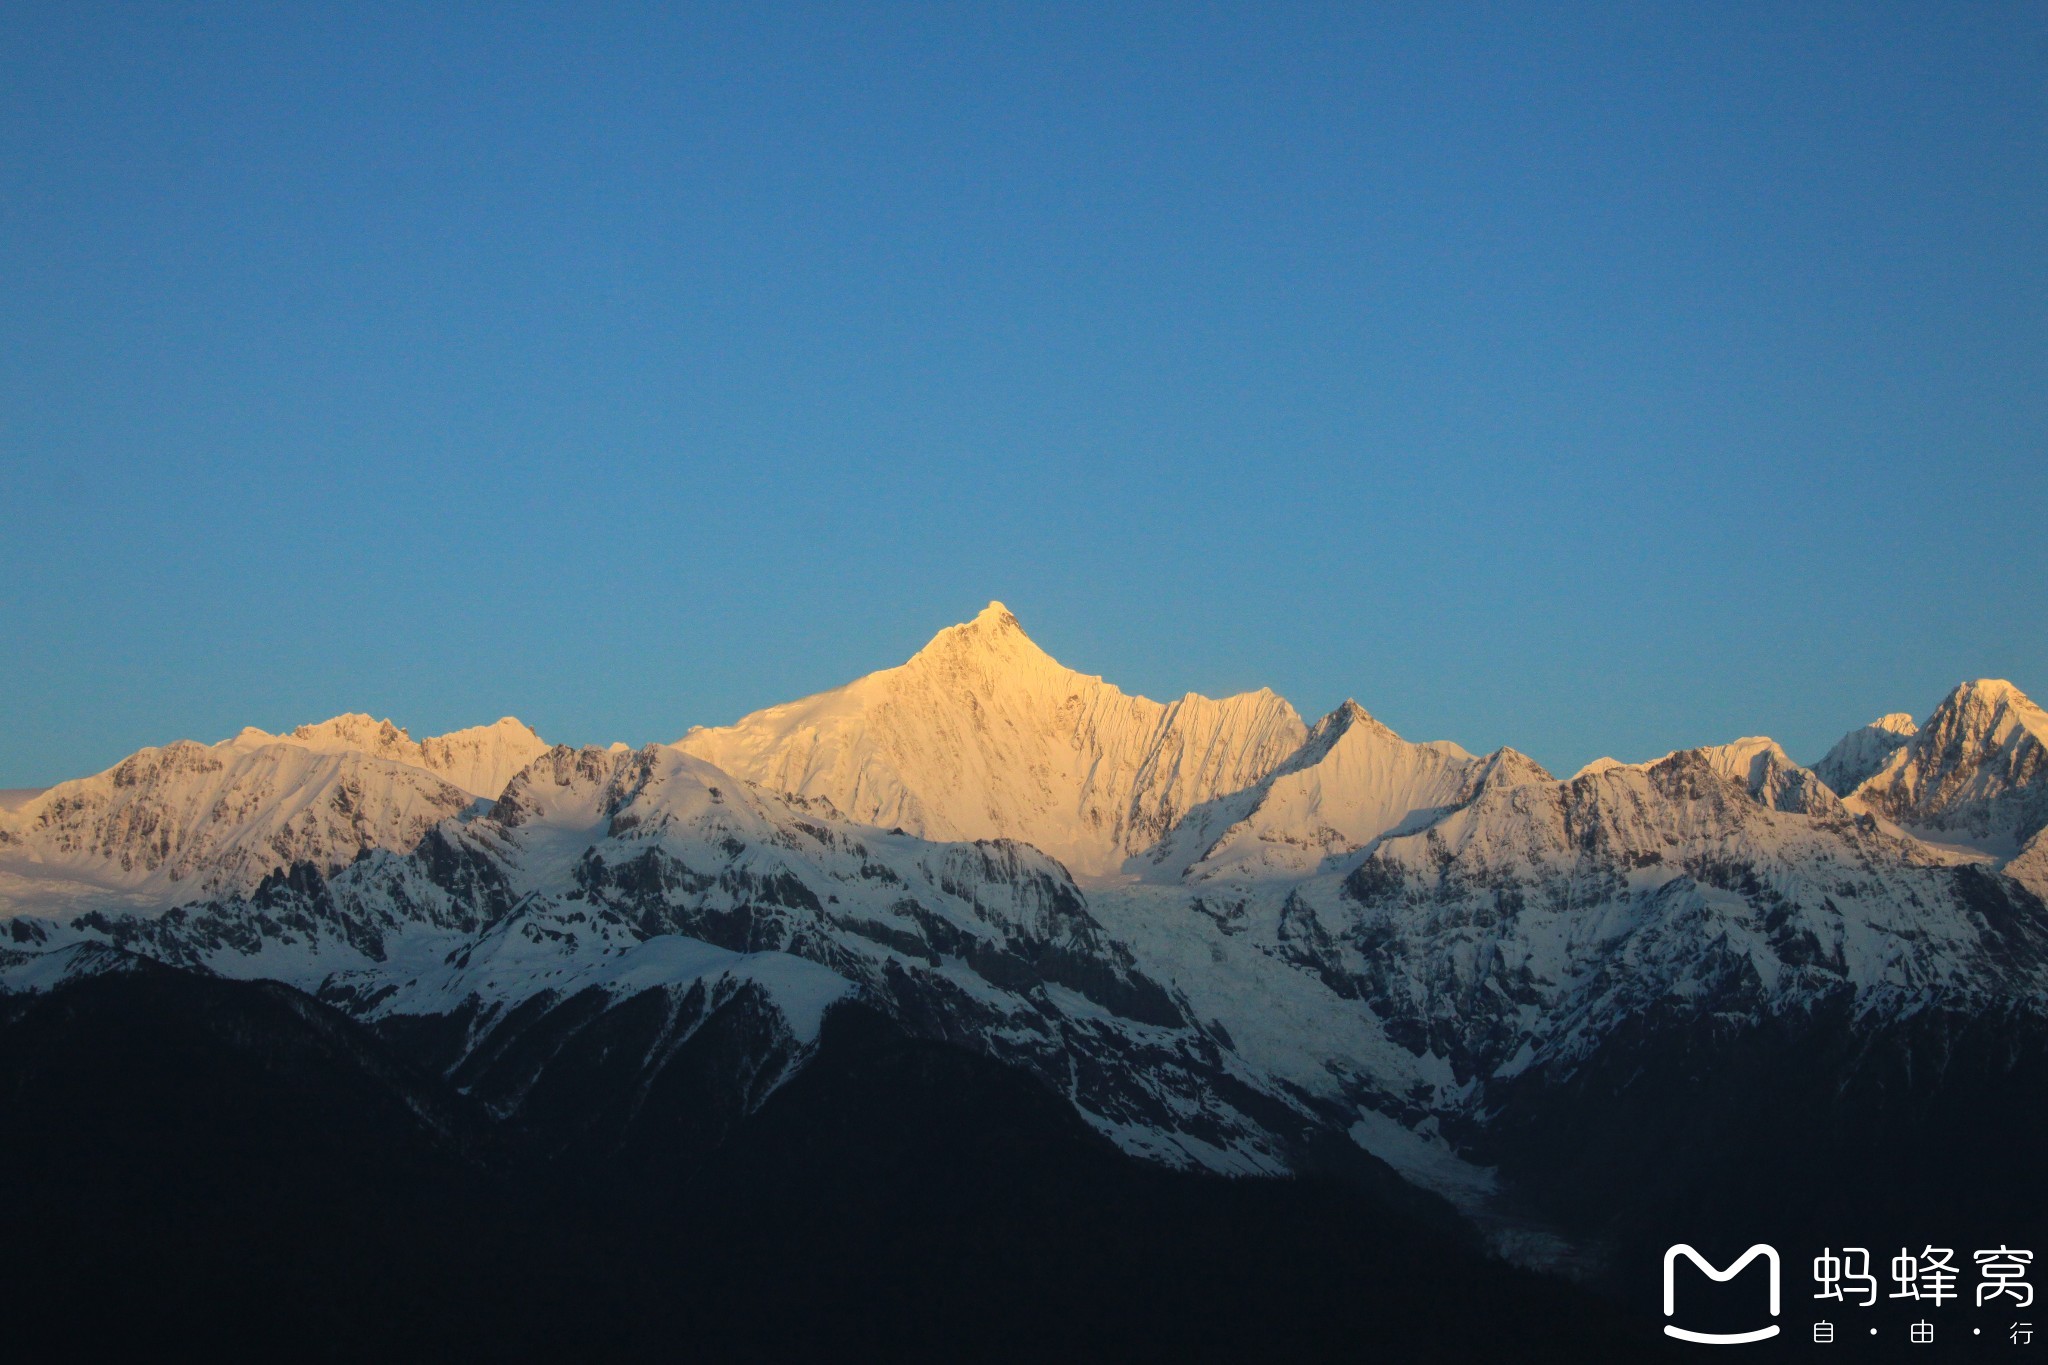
(195, 1165)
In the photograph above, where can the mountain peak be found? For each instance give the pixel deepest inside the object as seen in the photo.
(1988, 692)
(1863, 752)
(1761, 764)
(352, 728)
(1352, 781)
(1351, 716)
(480, 760)
(356, 732)
(1982, 711)
(1971, 771)
(993, 642)
(1511, 767)
(982, 734)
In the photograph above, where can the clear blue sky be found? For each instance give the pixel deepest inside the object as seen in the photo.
(1597, 378)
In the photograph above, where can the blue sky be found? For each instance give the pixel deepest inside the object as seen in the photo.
(1596, 379)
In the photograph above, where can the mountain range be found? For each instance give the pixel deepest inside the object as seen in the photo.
(1578, 1011)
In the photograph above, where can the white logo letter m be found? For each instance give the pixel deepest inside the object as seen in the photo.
(1770, 1254)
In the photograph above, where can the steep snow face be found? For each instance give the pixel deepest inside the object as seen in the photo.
(984, 735)
(480, 760)
(1976, 773)
(1351, 782)
(188, 821)
(1863, 751)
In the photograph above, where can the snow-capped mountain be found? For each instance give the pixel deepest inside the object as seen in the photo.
(1229, 941)
(1600, 896)
(1542, 924)
(601, 876)
(1761, 764)
(188, 821)
(480, 760)
(1758, 762)
(1864, 750)
(1973, 774)
(1352, 781)
(984, 735)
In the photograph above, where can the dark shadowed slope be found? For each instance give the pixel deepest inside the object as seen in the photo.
(189, 1164)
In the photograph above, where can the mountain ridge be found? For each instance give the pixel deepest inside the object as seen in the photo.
(1400, 952)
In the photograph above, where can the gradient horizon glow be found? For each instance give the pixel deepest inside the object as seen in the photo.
(1592, 379)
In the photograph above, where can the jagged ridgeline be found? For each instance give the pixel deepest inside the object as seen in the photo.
(1579, 1011)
